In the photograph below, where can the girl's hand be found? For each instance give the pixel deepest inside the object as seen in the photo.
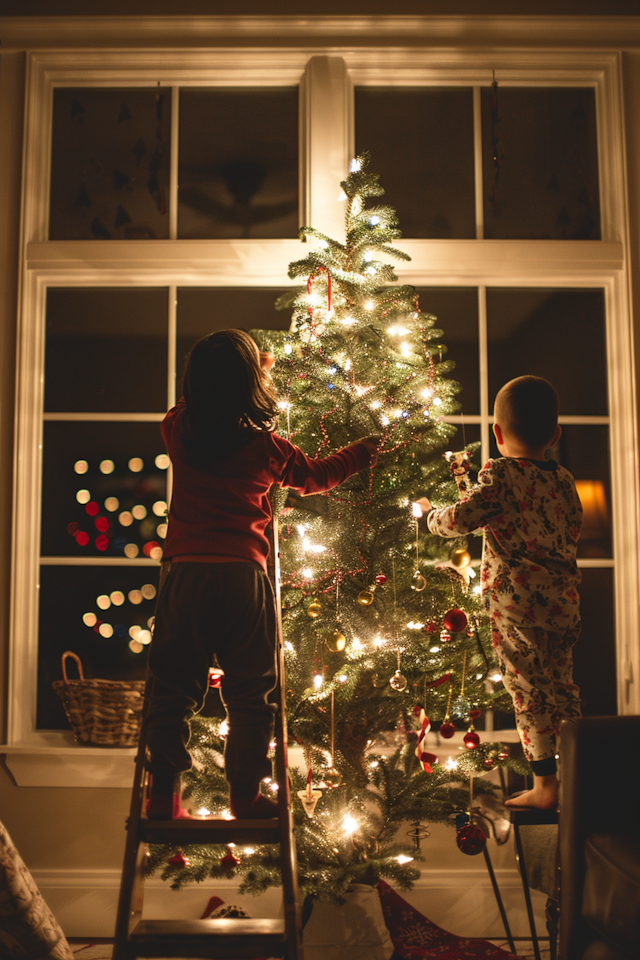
(424, 504)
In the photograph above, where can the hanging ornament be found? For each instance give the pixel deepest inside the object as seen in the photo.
(331, 777)
(336, 641)
(455, 620)
(447, 729)
(459, 464)
(398, 682)
(426, 759)
(460, 558)
(471, 739)
(417, 833)
(503, 755)
(365, 598)
(215, 677)
(179, 860)
(309, 797)
(314, 609)
(471, 840)
(381, 579)
(445, 636)
(229, 862)
(418, 582)
(488, 763)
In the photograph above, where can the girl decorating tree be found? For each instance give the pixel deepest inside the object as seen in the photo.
(215, 598)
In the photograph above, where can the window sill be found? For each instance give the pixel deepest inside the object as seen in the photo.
(56, 760)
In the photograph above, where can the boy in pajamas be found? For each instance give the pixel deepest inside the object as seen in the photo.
(530, 513)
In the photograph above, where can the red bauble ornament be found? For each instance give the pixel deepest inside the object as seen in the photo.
(445, 636)
(455, 620)
(488, 763)
(447, 729)
(474, 714)
(381, 579)
(179, 860)
(471, 740)
(430, 628)
(229, 862)
(503, 755)
(215, 677)
(471, 840)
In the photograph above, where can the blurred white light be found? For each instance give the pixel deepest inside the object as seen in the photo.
(437, 402)
(349, 825)
(496, 678)
(401, 858)
(317, 680)
(416, 510)
(288, 349)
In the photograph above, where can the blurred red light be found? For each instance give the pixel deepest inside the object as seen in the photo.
(82, 538)
(102, 542)
(102, 524)
(73, 528)
(148, 547)
(92, 508)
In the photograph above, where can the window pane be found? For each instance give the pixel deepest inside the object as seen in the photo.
(110, 164)
(594, 655)
(536, 331)
(238, 167)
(202, 310)
(106, 350)
(543, 183)
(421, 144)
(584, 451)
(104, 489)
(69, 594)
(456, 309)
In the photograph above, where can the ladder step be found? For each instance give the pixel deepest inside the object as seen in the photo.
(227, 938)
(209, 831)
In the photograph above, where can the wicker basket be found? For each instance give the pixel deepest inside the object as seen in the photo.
(101, 712)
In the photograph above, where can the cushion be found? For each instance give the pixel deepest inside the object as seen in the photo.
(28, 929)
(611, 897)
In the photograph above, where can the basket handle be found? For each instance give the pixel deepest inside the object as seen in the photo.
(69, 653)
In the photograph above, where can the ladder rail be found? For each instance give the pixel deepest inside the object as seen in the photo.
(129, 941)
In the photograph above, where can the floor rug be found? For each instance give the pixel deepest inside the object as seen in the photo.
(417, 938)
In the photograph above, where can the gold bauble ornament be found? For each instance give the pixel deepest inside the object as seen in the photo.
(398, 682)
(331, 777)
(314, 610)
(365, 597)
(418, 582)
(336, 641)
(460, 558)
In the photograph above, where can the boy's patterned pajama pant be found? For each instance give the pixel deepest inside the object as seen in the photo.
(536, 667)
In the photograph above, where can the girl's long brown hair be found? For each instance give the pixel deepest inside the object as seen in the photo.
(228, 395)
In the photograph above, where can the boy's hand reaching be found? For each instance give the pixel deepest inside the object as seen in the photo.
(421, 506)
(372, 444)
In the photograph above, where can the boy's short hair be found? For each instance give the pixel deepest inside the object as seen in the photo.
(527, 408)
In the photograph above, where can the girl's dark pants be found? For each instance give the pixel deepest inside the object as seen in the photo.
(207, 609)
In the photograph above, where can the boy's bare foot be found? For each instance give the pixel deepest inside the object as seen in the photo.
(543, 796)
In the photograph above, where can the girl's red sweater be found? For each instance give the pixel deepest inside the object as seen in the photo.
(221, 510)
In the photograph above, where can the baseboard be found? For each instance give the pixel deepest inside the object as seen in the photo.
(461, 901)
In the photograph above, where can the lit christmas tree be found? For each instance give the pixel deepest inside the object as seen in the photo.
(382, 623)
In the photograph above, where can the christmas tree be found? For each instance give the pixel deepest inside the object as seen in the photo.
(382, 622)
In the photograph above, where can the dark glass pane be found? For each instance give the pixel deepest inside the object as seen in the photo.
(421, 144)
(104, 487)
(110, 164)
(584, 452)
(69, 594)
(238, 167)
(202, 310)
(106, 350)
(543, 183)
(457, 311)
(594, 657)
(555, 334)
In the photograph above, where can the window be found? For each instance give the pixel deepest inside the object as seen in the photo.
(509, 275)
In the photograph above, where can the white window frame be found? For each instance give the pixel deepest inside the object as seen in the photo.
(326, 145)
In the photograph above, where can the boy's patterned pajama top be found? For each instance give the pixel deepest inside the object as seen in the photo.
(531, 517)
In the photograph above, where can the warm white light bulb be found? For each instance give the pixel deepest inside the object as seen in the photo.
(416, 510)
(317, 680)
(349, 825)
(401, 858)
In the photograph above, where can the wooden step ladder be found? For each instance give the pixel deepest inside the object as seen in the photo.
(228, 938)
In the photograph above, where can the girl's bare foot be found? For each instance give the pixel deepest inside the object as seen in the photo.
(543, 796)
